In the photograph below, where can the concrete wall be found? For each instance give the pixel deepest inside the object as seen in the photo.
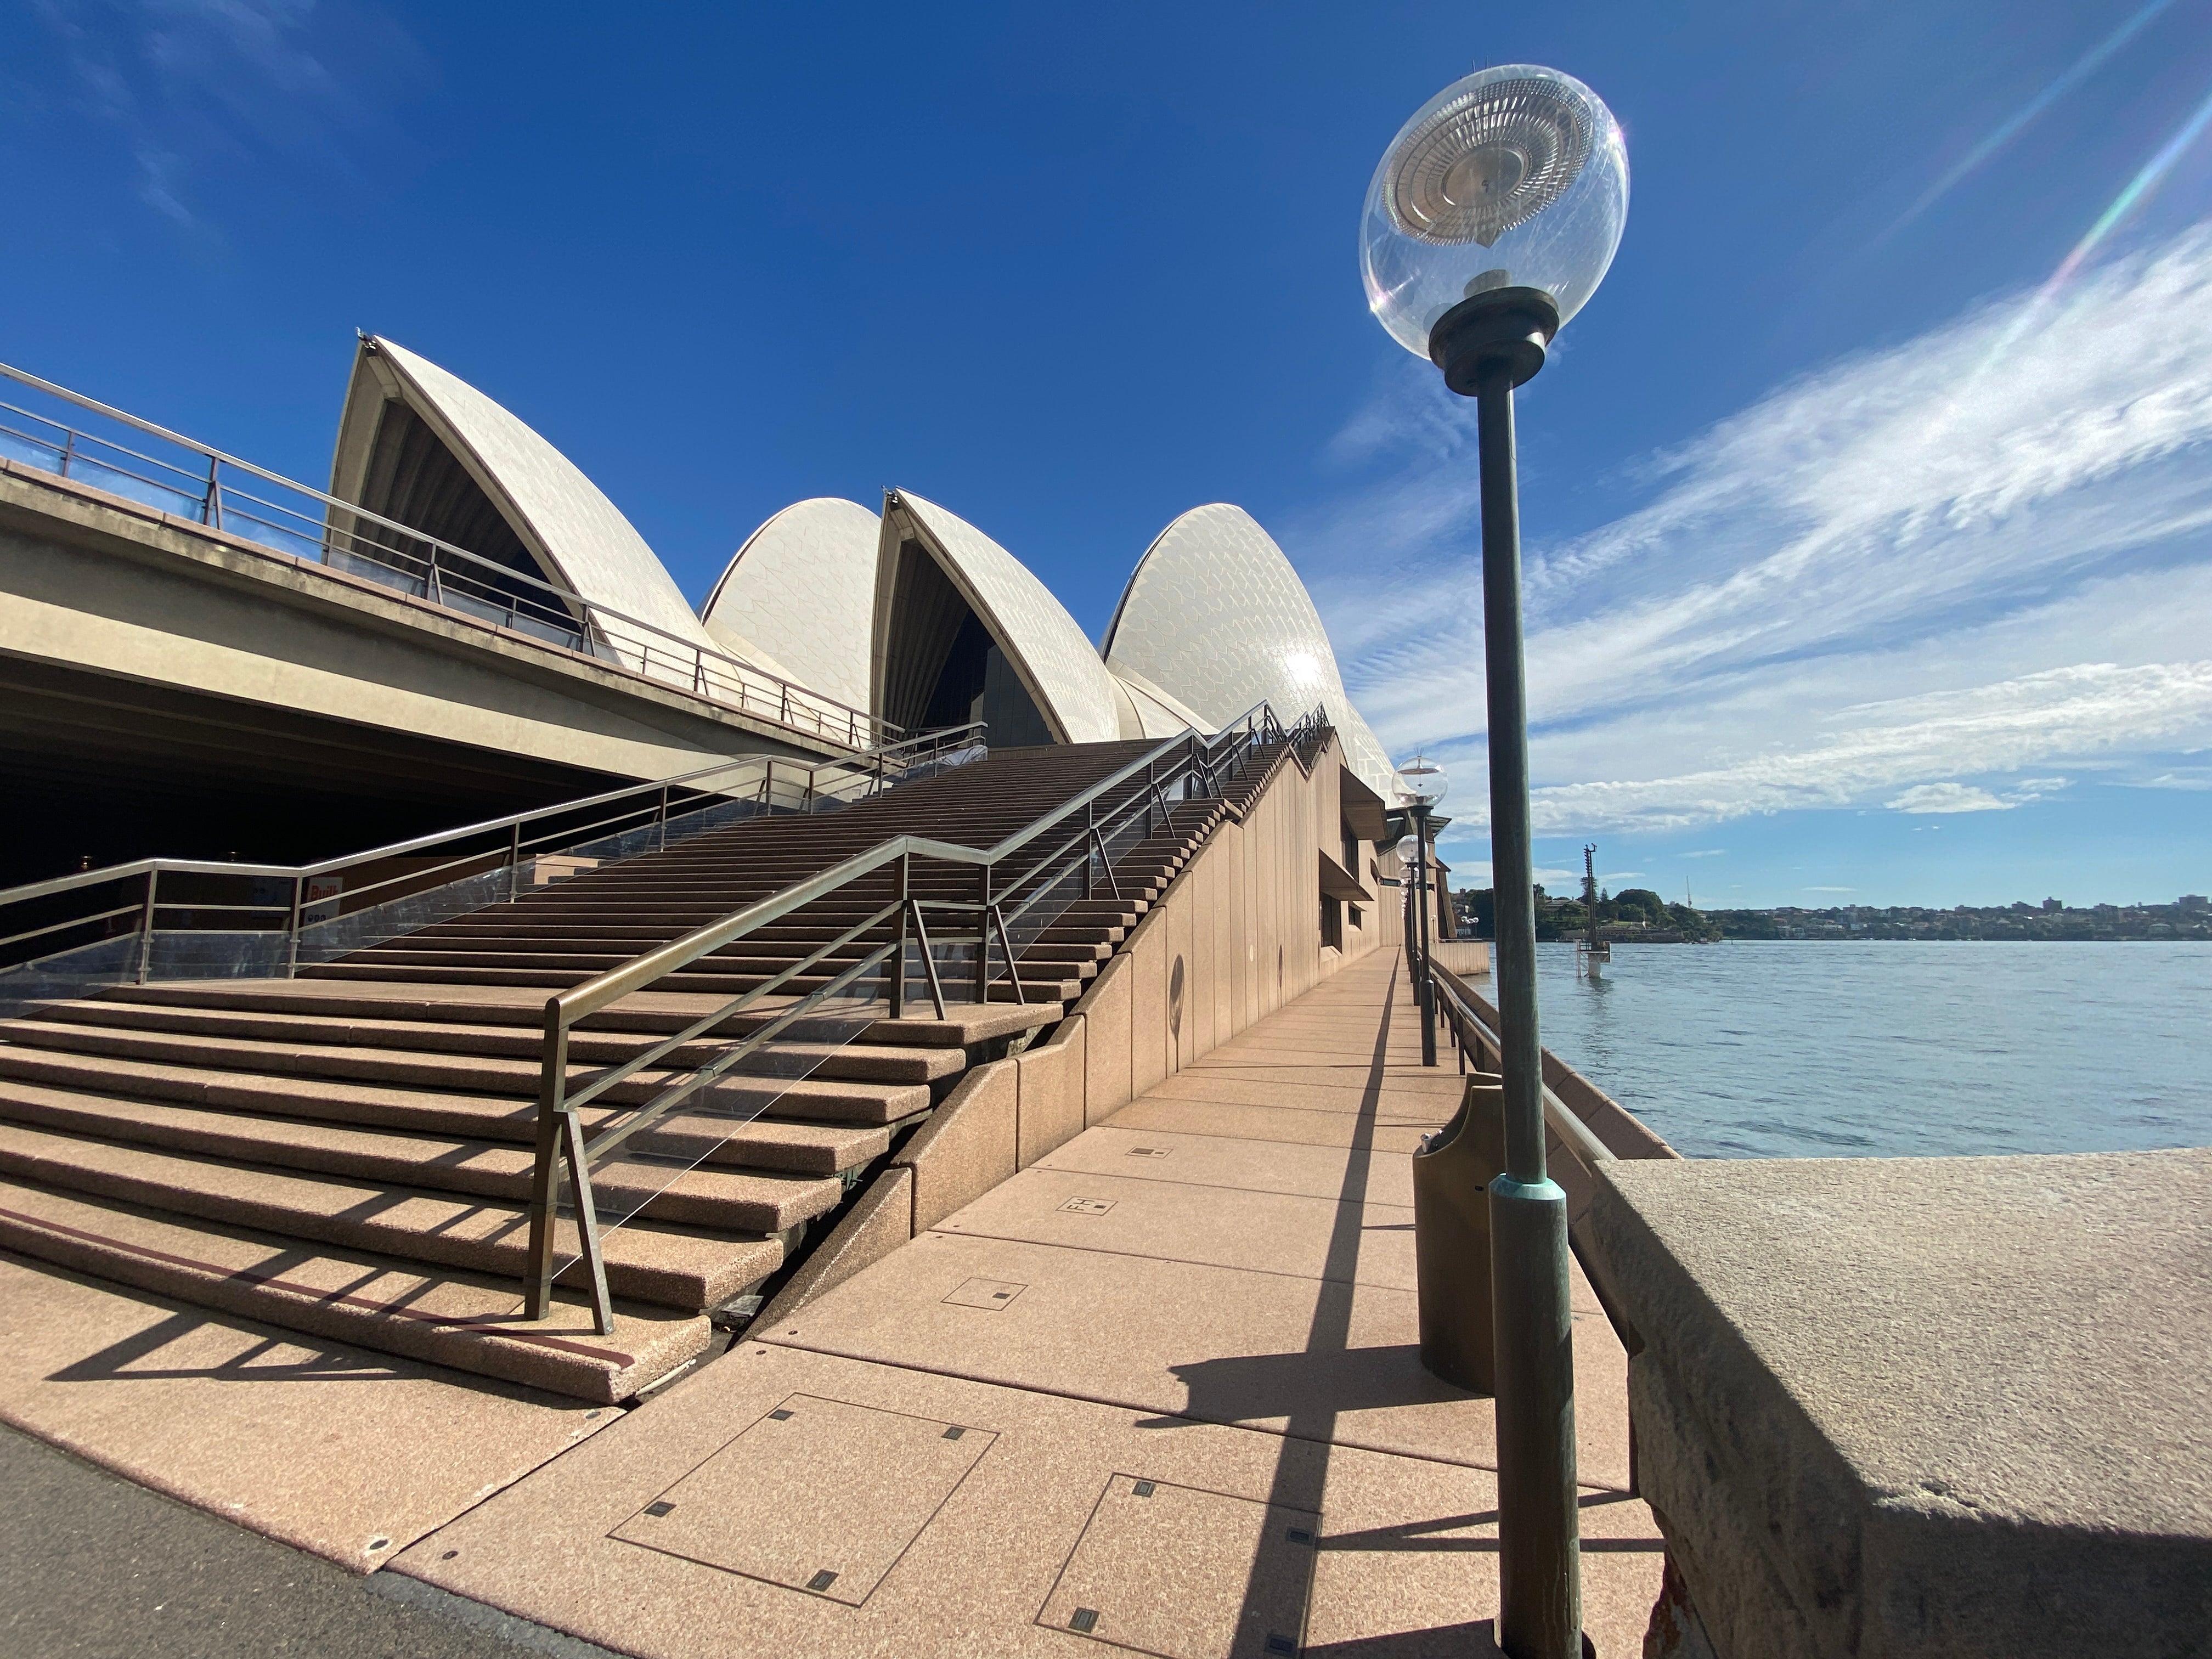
(1235, 936)
(94, 583)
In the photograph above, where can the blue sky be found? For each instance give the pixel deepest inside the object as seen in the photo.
(1868, 504)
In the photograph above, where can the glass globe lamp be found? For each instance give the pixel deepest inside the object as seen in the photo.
(1421, 782)
(1512, 178)
(1409, 850)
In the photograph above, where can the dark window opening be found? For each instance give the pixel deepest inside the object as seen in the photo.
(941, 666)
(1331, 924)
(415, 480)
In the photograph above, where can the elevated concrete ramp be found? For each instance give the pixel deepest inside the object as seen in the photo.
(281, 709)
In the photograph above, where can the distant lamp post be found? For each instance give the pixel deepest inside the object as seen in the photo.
(1421, 785)
(1490, 222)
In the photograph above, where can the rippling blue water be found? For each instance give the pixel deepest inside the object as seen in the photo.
(1899, 1048)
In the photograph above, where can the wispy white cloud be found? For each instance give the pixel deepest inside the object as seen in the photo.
(1949, 798)
(1956, 796)
(1927, 565)
(193, 84)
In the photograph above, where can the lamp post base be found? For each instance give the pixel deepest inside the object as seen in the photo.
(1539, 1544)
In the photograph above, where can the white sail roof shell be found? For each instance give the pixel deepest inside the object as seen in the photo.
(1216, 618)
(797, 598)
(1052, 657)
(561, 515)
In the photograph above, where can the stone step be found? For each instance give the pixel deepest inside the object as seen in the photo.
(656, 1013)
(710, 1195)
(879, 1063)
(465, 1320)
(487, 1074)
(334, 1098)
(759, 1143)
(685, 1268)
(365, 965)
(749, 955)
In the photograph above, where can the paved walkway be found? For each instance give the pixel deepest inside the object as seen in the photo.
(1160, 1390)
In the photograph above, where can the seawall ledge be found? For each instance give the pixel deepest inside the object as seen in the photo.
(1922, 1406)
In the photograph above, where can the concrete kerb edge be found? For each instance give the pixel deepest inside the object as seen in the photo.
(880, 1220)
(1617, 1234)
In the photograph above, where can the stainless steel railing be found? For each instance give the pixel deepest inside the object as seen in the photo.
(1095, 822)
(268, 510)
(301, 912)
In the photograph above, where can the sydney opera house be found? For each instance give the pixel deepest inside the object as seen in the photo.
(466, 1015)
(913, 615)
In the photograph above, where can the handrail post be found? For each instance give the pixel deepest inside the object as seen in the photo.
(291, 946)
(211, 507)
(514, 862)
(928, 961)
(898, 972)
(588, 1223)
(983, 909)
(663, 820)
(1006, 944)
(552, 1102)
(146, 926)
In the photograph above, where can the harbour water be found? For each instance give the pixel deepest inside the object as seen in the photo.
(1894, 1049)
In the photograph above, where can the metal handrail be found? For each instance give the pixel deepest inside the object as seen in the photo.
(579, 615)
(1581, 1139)
(559, 1137)
(867, 773)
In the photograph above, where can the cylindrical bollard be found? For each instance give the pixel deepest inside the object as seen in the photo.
(1540, 1561)
(1452, 1235)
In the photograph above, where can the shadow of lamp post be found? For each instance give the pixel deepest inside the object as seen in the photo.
(1489, 221)
(1421, 785)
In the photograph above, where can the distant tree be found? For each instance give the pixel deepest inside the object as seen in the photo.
(1639, 904)
(1480, 906)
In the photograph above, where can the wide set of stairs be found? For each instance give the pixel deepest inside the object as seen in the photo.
(349, 1152)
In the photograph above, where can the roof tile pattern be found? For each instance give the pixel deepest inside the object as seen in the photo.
(1049, 651)
(797, 597)
(593, 549)
(1216, 617)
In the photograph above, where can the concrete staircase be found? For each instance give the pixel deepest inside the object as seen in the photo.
(348, 1153)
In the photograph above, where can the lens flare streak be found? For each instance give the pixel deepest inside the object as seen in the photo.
(2129, 199)
(2018, 121)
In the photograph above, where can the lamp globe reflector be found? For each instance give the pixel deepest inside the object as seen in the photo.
(1515, 177)
(1409, 850)
(1421, 782)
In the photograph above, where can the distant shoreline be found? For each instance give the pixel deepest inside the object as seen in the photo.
(1872, 938)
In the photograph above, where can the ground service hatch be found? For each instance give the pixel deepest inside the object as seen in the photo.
(1187, 1574)
(819, 1496)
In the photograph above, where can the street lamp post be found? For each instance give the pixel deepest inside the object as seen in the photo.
(1490, 219)
(1421, 785)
